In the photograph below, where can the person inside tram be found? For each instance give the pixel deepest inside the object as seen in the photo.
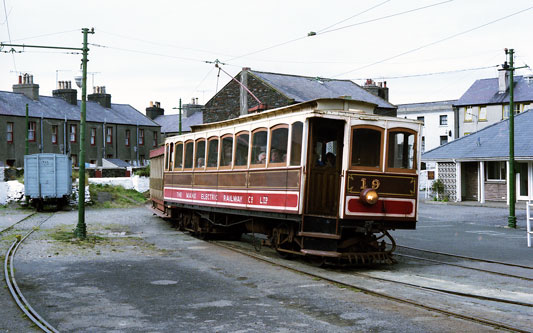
(200, 162)
(330, 160)
(261, 158)
(275, 156)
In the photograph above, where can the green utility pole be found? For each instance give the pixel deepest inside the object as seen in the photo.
(27, 152)
(180, 117)
(512, 181)
(81, 230)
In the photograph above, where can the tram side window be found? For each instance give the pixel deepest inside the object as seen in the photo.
(259, 143)
(178, 161)
(278, 145)
(296, 143)
(188, 154)
(170, 154)
(401, 150)
(226, 151)
(366, 147)
(167, 161)
(241, 150)
(212, 153)
(200, 154)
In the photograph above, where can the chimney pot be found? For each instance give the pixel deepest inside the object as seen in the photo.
(151, 104)
(20, 79)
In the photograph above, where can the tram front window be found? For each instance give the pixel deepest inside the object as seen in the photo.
(401, 150)
(366, 148)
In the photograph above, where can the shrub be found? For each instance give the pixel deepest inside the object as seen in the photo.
(144, 172)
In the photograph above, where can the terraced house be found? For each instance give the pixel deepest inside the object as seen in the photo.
(113, 131)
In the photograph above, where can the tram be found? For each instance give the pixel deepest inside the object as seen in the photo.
(327, 179)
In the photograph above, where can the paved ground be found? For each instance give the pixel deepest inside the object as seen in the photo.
(144, 276)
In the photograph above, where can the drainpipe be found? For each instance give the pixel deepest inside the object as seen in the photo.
(137, 144)
(42, 135)
(103, 141)
(65, 137)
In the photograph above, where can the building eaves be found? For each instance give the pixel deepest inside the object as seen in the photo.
(485, 92)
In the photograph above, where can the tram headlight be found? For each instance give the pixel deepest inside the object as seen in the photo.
(369, 196)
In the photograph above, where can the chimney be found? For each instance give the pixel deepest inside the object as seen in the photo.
(379, 90)
(27, 87)
(503, 80)
(243, 92)
(190, 109)
(154, 110)
(64, 90)
(99, 96)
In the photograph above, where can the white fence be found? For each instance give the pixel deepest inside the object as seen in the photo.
(528, 224)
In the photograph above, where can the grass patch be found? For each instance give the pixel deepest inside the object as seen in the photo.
(108, 196)
(60, 234)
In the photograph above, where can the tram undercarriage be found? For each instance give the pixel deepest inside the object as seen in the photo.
(356, 243)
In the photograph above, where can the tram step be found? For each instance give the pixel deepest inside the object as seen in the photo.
(318, 235)
(332, 254)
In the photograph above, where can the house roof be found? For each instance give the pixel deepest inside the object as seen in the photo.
(116, 162)
(492, 142)
(439, 104)
(485, 91)
(170, 123)
(303, 88)
(14, 104)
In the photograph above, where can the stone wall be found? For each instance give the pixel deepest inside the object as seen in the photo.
(226, 104)
(496, 191)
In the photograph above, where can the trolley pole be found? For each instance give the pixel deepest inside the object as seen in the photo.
(180, 118)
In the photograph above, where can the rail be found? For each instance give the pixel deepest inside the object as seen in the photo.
(528, 222)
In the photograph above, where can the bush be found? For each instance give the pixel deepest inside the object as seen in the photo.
(438, 188)
(144, 172)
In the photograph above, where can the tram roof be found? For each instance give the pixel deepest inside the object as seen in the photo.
(321, 104)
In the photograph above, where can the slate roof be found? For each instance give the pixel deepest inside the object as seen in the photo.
(117, 162)
(490, 143)
(14, 104)
(485, 91)
(170, 123)
(439, 104)
(303, 89)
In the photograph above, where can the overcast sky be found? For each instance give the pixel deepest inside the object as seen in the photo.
(157, 50)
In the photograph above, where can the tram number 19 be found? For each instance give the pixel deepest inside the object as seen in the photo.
(375, 183)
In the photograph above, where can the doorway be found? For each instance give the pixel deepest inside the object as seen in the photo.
(324, 165)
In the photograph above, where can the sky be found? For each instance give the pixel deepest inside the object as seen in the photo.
(142, 51)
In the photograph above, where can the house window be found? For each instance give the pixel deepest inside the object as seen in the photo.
(93, 136)
(155, 140)
(141, 137)
(495, 170)
(505, 107)
(482, 113)
(9, 136)
(109, 135)
(423, 144)
(421, 119)
(54, 134)
(443, 139)
(73, 130)
(468, 114)
(443, 120)
(127, 141)
(31, 131)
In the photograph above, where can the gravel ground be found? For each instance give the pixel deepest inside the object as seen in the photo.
(141, 275)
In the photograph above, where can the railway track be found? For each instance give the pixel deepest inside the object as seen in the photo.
(432, 299)
(9, 273)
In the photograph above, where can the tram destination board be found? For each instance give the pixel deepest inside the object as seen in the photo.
(403, 186)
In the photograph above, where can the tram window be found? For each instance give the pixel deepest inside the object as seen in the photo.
(401, 152)
(366, 147)
(188, 154)
(212, 153)
(226, 151)
(296, 143)
(178, 161)
(200, 154)
(278, 144)
(167, 157)
(170, 154)
(259, 142)
(241, 149)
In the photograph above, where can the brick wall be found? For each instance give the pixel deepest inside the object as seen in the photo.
(496, 191)
(226, 104)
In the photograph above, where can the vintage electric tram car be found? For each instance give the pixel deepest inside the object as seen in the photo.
(325, 179)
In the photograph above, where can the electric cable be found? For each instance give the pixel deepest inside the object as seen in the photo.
(351, 17)
(427, 74)
(9, 35)
(45, 35)
(435, 42)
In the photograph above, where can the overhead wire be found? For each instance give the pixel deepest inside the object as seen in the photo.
(435, 42)
(428, 74)
(46, 35)
(311, 34)
(147, 53)
(351, 17)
